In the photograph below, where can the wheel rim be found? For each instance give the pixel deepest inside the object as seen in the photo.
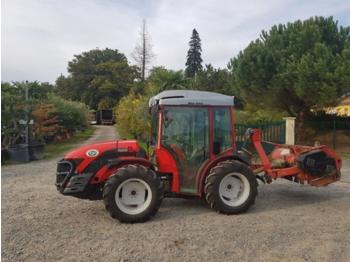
(133, 196)
(234, 189)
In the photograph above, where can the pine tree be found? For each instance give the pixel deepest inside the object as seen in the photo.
(194, 59)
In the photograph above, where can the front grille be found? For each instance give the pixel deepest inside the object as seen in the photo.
(60, 178)
(64, 168)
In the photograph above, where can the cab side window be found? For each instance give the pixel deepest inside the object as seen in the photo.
(222, 129)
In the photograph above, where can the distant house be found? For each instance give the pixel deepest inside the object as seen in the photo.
(343, 108)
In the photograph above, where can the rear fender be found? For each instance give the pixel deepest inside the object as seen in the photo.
(107, 170)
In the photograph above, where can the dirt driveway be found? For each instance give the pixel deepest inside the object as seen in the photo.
(288, 222)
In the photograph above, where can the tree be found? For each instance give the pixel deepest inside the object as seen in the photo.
(214, 80)
(161, 79)
(112, 82)
(194, 59)
(295, 67)
(95, 75)
(64, 87)
(142, 53)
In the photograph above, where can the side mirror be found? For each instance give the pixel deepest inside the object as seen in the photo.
(216, 147)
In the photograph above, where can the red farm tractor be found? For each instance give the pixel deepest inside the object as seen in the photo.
(194, 155)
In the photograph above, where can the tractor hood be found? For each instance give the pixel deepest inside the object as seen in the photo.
(93, 151)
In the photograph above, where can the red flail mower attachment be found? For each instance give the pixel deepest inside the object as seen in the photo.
(316, 166)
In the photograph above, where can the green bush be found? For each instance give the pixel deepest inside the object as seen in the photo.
(52, 115)
(133, 119)
(12, 110)
(72, 116)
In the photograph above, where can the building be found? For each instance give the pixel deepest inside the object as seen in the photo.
(343, 109)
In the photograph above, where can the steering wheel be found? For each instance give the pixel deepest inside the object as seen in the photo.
(178, 151)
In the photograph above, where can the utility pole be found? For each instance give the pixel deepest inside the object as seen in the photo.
(27, 116)
(143, 74)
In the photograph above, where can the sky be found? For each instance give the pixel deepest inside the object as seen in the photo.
(39, 37)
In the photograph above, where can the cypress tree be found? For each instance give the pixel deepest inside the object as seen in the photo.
(194, 59)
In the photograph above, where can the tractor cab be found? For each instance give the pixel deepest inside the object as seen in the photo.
(190, 130)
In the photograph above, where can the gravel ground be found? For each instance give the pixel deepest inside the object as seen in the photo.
(288, 222)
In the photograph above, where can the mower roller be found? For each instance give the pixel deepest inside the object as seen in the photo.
(194, 156)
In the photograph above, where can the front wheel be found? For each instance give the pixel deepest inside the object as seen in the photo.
(231, 187)
(133, 194)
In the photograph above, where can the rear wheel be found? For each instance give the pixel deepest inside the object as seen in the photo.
(231, 187)
(133, 194)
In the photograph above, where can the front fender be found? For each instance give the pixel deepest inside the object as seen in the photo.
(112, 165)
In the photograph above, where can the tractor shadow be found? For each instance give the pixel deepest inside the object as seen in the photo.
(279, 196)
(275, 197)
(177, 208)
(288, 195)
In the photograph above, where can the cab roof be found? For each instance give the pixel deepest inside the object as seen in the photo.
(191, 97)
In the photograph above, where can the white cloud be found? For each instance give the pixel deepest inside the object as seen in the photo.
(39, 37)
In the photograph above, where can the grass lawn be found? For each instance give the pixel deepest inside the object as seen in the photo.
(56, 149)
(344, 155)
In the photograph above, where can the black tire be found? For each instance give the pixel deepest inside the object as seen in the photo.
(212, 186)
(133, 172)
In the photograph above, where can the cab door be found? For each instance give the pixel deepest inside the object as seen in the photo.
(185, 139)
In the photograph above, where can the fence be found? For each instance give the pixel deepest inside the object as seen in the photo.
(271, 131)
(334, 133)
(331, 132)
(336, 124)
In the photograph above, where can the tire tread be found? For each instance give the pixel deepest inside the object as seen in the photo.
(114, 180)
(212, 182)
